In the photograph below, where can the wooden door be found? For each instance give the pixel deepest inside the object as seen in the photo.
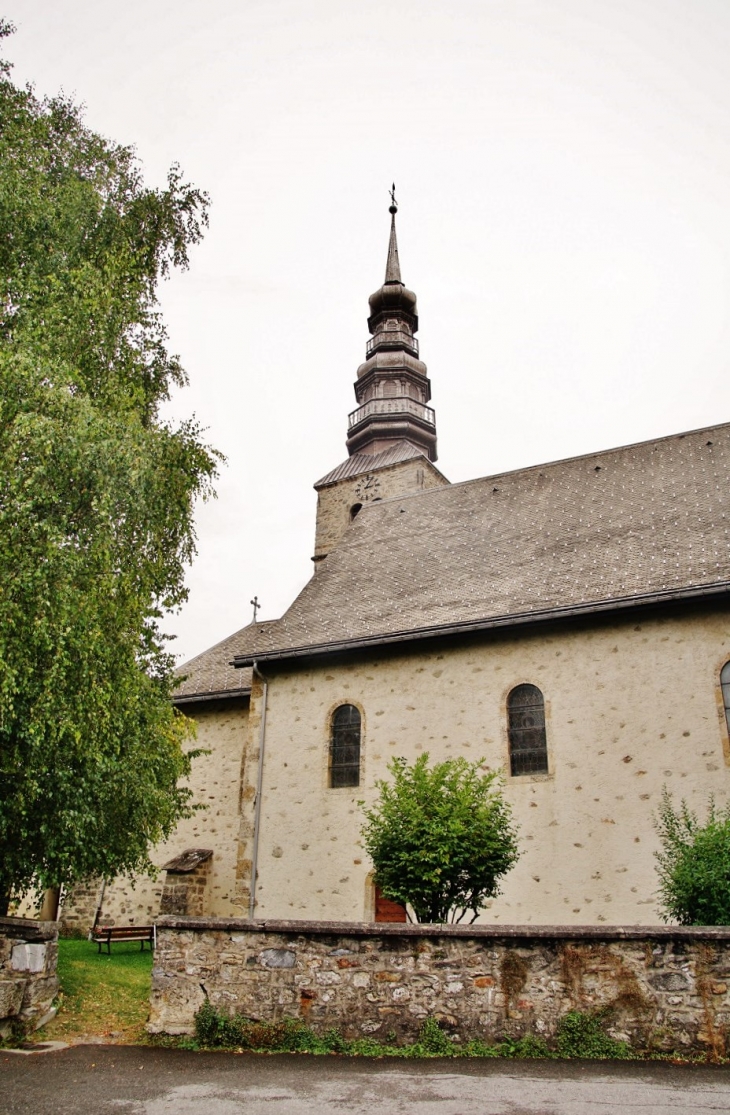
(386, 910)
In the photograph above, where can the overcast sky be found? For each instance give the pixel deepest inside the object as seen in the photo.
(563, 173)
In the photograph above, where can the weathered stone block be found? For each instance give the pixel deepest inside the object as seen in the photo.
(28, 958)
(278, 958)
(29, 949)
(670, 981)
(38, 996)
(11, 997)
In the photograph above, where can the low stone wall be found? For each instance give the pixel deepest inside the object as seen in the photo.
(28, 980)
(660, 988)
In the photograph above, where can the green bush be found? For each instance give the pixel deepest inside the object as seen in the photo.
(694, 864)
(217, 1030)
(478, 1048)
(581, 1035)
(531, 1046)
(434, 1041)
(441, 838)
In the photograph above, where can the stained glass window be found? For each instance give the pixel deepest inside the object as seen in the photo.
(345, 747)
(725, 683)
(527, 739)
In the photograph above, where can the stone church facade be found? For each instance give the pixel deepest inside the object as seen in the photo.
(568, 623)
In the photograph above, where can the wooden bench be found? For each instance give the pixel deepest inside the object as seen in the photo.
(105, 934)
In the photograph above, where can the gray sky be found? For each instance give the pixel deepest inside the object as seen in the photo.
(562, 169)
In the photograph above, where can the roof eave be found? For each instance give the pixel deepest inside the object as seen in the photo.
(213, 695)
(516, 619)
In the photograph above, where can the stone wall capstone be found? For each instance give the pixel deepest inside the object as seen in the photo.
(659, 988)
(28, 980)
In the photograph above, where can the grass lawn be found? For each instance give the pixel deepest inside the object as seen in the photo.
(105, 996)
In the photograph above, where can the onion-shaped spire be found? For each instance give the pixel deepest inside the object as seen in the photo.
(392, 389)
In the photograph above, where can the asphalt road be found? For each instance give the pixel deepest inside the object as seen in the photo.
(124, 1080)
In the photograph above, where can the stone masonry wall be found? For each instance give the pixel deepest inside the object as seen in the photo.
(79, 906)
(661, 988)
(28, 981)
(184, 892)
(335, 502)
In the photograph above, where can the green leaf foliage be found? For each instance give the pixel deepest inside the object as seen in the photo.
(215, 1029)
(694, 864)
(440, 837)
(96, 498)
(582, 1035)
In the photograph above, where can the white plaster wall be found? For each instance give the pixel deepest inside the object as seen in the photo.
(631, 707)
(216, 784)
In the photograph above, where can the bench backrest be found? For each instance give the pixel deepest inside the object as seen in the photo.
(119, 932)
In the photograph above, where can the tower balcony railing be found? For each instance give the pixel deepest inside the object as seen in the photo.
(397, 405)
(391, 338)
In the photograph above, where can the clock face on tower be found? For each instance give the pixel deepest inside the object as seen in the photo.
(367, 487)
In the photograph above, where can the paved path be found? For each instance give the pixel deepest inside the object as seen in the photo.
(123, 1080)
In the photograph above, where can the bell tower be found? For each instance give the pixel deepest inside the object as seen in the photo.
(392, 388)
(391, 436)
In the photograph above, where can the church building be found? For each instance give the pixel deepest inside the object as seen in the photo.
(566, 623)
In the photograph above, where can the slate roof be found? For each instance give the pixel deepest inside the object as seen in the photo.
(643, 521)
(210, 675)
(371, 462)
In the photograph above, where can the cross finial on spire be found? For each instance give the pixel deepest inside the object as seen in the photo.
(256, 607)
(392, 267)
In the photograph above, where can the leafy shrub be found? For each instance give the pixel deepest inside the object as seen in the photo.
(581, 1035)
(206, 1024)
(694, 864)
(217, 1030)
(213, 1028)
(530, 1046)
(440, 837)
(368, 1047)
(433, 1040)
(478, 1048)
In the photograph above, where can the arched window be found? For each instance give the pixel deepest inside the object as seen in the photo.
(527, 740)
(345, 747)
(725, 683)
